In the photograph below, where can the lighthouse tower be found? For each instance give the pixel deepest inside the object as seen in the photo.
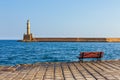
(28, 35)
(28, 27)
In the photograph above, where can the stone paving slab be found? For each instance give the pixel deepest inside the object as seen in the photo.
(104, 70)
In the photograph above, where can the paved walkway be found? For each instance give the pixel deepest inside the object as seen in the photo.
(106, 70)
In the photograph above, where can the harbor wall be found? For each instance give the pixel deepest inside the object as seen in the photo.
(69, 39)
(113, 39)
(73, 40)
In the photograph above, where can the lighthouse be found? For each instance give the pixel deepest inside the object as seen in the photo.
(28, 35)
(28, 27)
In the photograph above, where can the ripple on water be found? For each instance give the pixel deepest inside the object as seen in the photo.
(13, 52)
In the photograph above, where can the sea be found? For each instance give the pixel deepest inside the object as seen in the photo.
(13, 52)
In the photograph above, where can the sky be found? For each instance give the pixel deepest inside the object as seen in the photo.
(60, 18)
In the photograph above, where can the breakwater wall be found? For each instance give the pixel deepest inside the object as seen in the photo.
(73, 40)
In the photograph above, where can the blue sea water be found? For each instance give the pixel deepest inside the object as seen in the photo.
(13, 52)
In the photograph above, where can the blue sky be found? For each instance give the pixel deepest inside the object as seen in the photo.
(60, 18)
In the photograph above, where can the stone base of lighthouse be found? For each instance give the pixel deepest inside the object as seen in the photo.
(27, 37)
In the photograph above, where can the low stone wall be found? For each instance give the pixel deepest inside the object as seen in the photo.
(70, 39)
(113, 39)
(73, 40)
